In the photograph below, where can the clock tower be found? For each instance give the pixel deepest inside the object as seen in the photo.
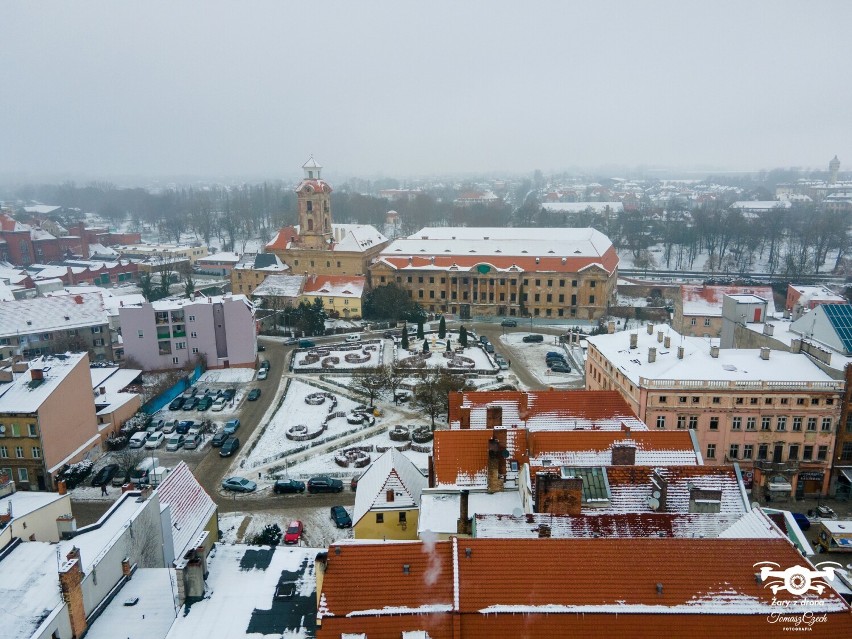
(314, 199)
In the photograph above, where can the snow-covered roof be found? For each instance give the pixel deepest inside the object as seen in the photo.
(29, 588)
(392, 471)
(356, 237)
(41, 209)
(224, 257)
(439, 508)
(25, 394)
(782, 370)
(23, 502)
(280, 286)
(760, 205)
(191, 507)
(45, 314)
(173, 305)
(351, 286)
(706, 301)
(809, 294)
(579, 207)
(153, 614)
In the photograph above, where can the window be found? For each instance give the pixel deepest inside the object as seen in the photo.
(693, 321)
(538, 282)
(734, 451)
(695, 399)
(765, 422)
(593, 284)
(793, 455)
(4, 452)
(693, 422)
(814, 401)
(180, 346)
(748, 451)
(812, 421)
(782, 423)
(195, 351)
(829, 401)
(800, 401)
(717, 400)
(753, 401)
(738, 401)
(36, 452)
(808, 453)
(32, 430)
(141, 334)
(822, 453)
(23, 475)
(767, 401)
(192, 318)
(661, 421)
(681, 421)
(736, 423)
(574, 283)
(380, 518)
(681, 399)
(174, 360)
(751, 423)
(711, 451)
(714, 423)
(96, 330)
(706, 321)
(846, 452)
(762, 451)
(663, 399)
(97, 342)
(797, 424)
(785, 401)
(402, 518)
(19, 452)
(591, 299)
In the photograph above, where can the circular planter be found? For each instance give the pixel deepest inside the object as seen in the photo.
(422, 434)
(330, 362)
(356, 358)
(315, 399)
(399, 433)
(352, 457)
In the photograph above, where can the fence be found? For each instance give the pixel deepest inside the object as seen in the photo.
(164, 399)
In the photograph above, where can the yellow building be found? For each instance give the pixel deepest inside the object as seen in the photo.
(387, 503)
(341, 294)
(317, 246)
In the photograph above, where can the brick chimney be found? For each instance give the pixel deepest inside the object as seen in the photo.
(559, 495)
(667, 341)
(652, 355)
(650, 328)
(623, 455)
(660, 336)
(464, 417)
(70, 585)
(714, 352)
(680, 352)
(610, 327)
(634, 340)
(493, 416)
(126, 569)
(495, 461)
(464, 525)
(764, 352)
(660, 484)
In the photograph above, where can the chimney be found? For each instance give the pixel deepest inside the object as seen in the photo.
(764, 352)
(70, 586)
(495, 461)
(126, 569)
(768, 329)
(610, 327)
(61, 487)
(102, 390)
(65, 525)
(667, 341)
(650, 328)
(634, 340)
(464, 417)
(623, 455)
(493, 416)
(652, 355)
(464, 524)
(544, 531)
(659, 491)
(680, 352)
(714, 352)
(37, 374)
(660, 336)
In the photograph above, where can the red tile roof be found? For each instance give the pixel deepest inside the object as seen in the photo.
(531, 264)
(460, 457)
(282, 239)
(566, 587)
(541, 442)
(547, 409)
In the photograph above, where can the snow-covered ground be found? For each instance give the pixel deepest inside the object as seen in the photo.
(367, 355)
(226, 376)
(438, 347)
(533, 357)
(320, 531)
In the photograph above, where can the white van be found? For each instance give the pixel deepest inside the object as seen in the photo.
(137, 440)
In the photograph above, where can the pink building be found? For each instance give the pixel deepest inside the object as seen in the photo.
(807, 298)
(178, 333)
(775, 413)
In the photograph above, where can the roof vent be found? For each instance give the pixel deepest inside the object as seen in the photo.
(337, 550)
(406, 569)
(659, 588)
(67, 318)
(468, 552)
(29, 322)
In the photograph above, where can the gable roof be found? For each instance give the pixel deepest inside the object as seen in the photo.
(191, 507)
(391, 471)
(282, 238)
(280, 286)
(542, 410)
(351, 286)
(594, 448)
(45, 314)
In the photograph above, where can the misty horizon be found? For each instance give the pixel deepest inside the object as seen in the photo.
(220, 92)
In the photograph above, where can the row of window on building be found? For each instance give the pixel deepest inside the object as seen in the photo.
(16, 430)
(763, 452)
(23, 474)
(19, 452)
(752, 401)
(691, 421)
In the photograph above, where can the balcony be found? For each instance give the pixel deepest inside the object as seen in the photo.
(766, 466)
(163, 335)
(177, 333)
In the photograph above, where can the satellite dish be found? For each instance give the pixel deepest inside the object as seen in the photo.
(517, 512)
(655, 494)
(653, 504)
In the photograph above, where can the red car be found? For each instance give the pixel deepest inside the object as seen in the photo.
(294, 532)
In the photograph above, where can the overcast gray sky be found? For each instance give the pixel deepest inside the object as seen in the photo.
(395, 88)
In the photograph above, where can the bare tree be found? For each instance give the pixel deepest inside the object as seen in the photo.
(372, 382)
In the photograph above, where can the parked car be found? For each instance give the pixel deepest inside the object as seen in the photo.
(229, 394)
(170, 426)
(353, 338)
(231, 426)
(353, 483)
(137, 440)
(205, 403)
(560, 368)
(191, 403)
(483, 339)
(184, 426)
(261, 348)
(262, 374)
(155, 440)
(192, 441)
(509, 323)
(176, 441)
(290, 341)
(283, 486)
(533, 337)
(324, 484)
(177, 403)
(254, 395)
(340, 517)
(555, 354)
(104, 475)
(192, 391)
(218, 405)
(239, 485)
(158, 424)
(229, 447)
(306, 343)
(294, 532)
(265, 364)
(489, 347)
(219, 438)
